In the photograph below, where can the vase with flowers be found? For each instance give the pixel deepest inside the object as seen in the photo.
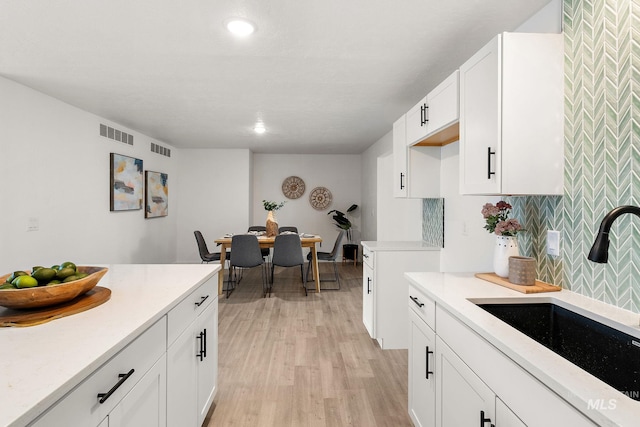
(272, 222)
(505, 228)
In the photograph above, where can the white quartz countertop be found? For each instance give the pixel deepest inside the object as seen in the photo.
(453, 292)
(409, 245)
(40, 364)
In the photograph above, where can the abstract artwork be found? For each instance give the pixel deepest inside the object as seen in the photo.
(126, 183)
(156, 194)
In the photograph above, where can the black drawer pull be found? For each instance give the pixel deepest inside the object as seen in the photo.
(102, 397)
(368, 283)
(417, 301)
(202, 300)
(401, 183)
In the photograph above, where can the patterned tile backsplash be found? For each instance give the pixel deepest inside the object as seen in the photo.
(433, 222)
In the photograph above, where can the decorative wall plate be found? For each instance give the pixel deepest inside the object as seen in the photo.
(293, 187)
(320, 198)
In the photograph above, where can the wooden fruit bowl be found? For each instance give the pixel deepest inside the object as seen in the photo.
(43, 296)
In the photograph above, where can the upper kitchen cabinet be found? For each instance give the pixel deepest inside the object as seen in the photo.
(434, 120)
(511, 116)
(416, 170)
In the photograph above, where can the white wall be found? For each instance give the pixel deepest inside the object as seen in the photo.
(398, 219)
(341, 174)
(55, 168)
(369, 162)
(215, 188)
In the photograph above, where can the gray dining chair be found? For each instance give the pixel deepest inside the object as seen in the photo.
(265, 251)
(288, 228)
(287, 252)
(329, 256)
(245, 254)
(205, 255)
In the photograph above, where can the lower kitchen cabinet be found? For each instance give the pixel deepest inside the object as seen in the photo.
(144, 405)
(475, 380)
(422, 383)
(384, 289)
(129, 390)
(367, 295)
(461, 396)
(192, 368)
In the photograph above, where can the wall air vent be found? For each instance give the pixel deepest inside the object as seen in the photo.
(159, 149)
(118, 135)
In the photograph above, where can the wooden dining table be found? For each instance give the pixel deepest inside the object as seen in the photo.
(307, 241)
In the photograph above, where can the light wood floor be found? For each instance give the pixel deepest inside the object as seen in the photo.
(292, 360)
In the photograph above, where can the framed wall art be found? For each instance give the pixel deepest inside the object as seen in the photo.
(126, 183)
(156, 194)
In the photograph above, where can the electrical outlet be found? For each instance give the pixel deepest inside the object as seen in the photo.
(553, 242)
(33, 224)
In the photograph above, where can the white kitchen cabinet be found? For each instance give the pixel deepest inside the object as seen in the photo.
(145, 404)
(127, 389)
(462, 399)
(511, 116)
(417, 122)
(505, 416)
(473, 376)
(385, 291)
(192, 356)
(422, 385)
(399, 158)
(416, 169)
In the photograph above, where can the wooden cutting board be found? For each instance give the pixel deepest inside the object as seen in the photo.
(539, 287)
(36, 316)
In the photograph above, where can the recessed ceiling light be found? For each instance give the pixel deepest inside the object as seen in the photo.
(240, 27)
(259, 128)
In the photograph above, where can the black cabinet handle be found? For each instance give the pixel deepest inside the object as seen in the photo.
(484, 420)
(204, 347)
(489, 154)
(102, 397)
(401, 180)
(201, 353)
(417, 301)
(423, 115)
(368, 283)
(365, 255)
(202, 300)
(427, 362)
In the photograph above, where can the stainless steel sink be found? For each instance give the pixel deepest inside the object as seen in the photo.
(605, 352)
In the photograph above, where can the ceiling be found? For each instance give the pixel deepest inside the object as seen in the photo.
(327, 77)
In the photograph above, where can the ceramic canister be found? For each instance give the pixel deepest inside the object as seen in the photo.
(522, 270)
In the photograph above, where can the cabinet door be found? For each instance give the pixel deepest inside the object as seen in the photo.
(505, 416)
(417, 122)
(443, 104)
(367, 299)
(181, 374)
(145, 405)
(461, 396)
(480, 121)
(422, 384)
(399, 158)
(207, 360)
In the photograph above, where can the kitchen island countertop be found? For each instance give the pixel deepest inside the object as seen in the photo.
(40, 364)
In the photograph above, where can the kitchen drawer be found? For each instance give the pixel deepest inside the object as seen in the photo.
(367, 256)
(422, 305)
(189, 308)
(81, 406)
